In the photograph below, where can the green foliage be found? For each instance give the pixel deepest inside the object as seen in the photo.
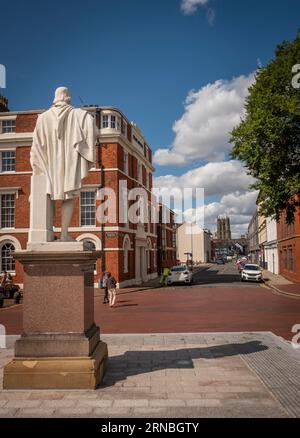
(268, 138)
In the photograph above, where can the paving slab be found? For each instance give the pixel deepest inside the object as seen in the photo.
(236, 375)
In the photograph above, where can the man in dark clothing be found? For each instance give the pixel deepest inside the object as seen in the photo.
(105, 287)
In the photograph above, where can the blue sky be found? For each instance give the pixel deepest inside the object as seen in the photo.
(142, 56)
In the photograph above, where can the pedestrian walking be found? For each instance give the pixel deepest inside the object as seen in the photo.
(112, 291)
(105, 287)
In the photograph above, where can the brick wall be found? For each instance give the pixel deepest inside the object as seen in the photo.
(289, 248)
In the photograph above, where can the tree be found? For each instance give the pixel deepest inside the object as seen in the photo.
(268, 138)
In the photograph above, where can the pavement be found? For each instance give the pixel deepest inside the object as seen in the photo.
(281, 285)
(209, 375)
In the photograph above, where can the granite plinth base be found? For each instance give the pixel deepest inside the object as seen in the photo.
(57, 372)
(60, 347)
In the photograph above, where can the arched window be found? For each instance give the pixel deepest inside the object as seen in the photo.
(90, 246)
(7, 261)
(126, 248)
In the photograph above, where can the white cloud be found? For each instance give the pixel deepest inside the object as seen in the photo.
(227, 181)
(189, 7)
(203, 132)
(216, 178)
(239, 207)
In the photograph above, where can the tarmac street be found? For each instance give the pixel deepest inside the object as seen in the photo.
(217, 302)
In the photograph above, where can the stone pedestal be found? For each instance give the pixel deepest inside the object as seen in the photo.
(60, 347)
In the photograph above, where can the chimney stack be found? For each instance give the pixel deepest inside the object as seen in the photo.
(3, 104)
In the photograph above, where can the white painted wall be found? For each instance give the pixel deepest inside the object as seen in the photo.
(271, 247)
(192, 239)
(271, 230)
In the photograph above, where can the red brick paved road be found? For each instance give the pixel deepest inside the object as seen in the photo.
(184, 310)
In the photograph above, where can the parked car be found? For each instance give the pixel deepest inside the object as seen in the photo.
(252, 273)
(220, 261)
(180, 274)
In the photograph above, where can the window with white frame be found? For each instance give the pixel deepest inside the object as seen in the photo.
(154, 257)
(8, 161)
(7, 261)
(8, 126)
(125, 163)
(88, 208)
(113, 121)
(7, 203)
(105, 121)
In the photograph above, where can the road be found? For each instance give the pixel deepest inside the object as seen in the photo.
(220, 276)
(217, 302)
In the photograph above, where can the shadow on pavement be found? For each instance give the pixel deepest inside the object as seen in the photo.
(134, 363)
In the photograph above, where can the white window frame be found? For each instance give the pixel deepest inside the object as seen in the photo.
(13, 128)
(14, 210)
(1, 160)
(106, 121)
(113, 123)
(80, 209)
(2, 268)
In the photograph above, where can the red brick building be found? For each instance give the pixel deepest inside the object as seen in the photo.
(289, 248)
(166, 239)
(129, 250)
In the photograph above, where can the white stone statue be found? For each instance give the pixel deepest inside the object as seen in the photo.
(62, 153)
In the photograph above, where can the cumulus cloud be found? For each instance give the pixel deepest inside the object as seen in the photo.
(228, 181)
(239, 207)
(203, 132)
(216, 178)
(189, 7)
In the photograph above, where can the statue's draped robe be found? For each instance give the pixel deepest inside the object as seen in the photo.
(63, 149)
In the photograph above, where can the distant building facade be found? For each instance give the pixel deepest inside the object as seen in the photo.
(254, 248)
(191, 239)
(271, 247)
(262, 239)
(166, 239)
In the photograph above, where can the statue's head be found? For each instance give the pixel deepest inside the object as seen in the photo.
(62, 95)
